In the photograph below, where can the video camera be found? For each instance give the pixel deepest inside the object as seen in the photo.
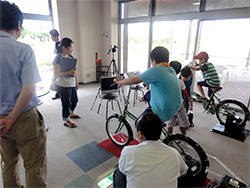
(112, 48)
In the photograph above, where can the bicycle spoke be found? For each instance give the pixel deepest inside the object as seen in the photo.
(231, 107)
(189, 154)
(117, 131)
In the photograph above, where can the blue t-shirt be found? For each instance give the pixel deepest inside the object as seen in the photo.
(165, 99)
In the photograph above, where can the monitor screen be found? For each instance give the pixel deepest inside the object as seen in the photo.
(107, 83)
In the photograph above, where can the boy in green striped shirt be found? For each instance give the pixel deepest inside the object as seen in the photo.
(210, 75)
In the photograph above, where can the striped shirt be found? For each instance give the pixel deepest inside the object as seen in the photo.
(211, 76)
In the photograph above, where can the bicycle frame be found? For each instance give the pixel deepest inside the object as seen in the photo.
(207, 104)
(120, 133)
(134, 118)
(177, 141)
(126, 112)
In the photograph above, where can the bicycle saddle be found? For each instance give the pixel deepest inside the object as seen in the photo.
(216, 89)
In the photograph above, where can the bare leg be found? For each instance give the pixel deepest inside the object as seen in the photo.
(183, 130)
(201, 91)
(170, 130)
(212, 103)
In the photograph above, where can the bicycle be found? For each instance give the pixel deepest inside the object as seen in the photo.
(224, 108)
(120, 133)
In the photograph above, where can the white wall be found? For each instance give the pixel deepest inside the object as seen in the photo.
(110, 26)
(85, 21)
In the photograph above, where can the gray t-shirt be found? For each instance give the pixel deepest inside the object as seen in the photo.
(64, 81)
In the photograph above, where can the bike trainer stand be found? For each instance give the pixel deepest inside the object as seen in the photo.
(218, 128)
(232, 129)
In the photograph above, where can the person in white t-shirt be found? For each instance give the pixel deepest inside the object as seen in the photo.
(150, 163)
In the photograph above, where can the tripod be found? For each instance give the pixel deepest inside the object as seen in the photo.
(112, 62)
(115, 72)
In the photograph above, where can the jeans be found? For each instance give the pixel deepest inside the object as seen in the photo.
(69, 100)
(148, 109)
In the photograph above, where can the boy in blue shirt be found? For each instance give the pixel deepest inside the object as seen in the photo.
(165, 100)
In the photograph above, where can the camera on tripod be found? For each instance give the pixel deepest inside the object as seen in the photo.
(112, 48)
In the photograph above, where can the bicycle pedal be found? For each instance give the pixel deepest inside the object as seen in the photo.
(210, 112)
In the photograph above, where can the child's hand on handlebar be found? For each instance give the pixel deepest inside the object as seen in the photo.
(116, 80)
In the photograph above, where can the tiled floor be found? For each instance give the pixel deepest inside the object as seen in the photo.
(75, 159)
(89, 156)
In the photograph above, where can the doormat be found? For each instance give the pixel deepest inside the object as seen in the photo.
(114, 149)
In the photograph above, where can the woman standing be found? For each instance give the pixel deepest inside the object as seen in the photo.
(66, 82)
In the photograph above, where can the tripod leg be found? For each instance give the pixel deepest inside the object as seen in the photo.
(107, 71)
(95, 99)
(115, 69)
(107, 108)
(135, 93)
(99, 106)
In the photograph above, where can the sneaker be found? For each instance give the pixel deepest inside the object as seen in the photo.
(191, 125)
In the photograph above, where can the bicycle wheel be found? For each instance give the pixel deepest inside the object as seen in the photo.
(195, 158)
(231, 107)
(119, 135)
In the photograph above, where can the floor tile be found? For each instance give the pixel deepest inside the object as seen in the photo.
(89, 156)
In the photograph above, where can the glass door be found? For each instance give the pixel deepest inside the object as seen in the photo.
(138, 35)
(36, 34)
(174, 36)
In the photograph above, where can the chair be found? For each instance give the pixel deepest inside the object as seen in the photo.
(108, 91)
(222, 72)
(136, 87)
(100, 70)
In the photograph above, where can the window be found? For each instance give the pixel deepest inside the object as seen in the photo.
(176, 6)
(36, 34)
(226, 42)
(226, 4)
(185, 31)
(174, 36)
(33, 7)
(138, 46)
(135, 9)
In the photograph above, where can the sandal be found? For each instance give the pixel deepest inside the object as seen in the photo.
(72, 125)
(75, 117)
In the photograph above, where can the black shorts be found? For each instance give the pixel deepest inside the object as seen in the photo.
(204, 83)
